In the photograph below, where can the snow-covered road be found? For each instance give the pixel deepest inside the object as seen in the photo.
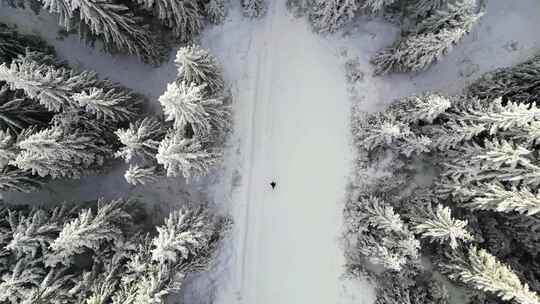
(293, 127)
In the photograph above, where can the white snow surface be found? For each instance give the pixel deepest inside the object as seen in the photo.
(292, 113)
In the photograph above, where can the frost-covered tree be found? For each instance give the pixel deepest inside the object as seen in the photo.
(110, 262)
(496, 160)
(140, 146)
(15, 44)
(430, 40)
(140, 141)
(111, 104)
(183, 235)
(185, 156)
(187, 105)
(425, 107)
(471, 117)
(89, 230)
(330, 16)
(51, 86)
(380, 215)
(377, 5)
(392, 288)
(60, 88)
(519, 83)
(439, 225)
(496, 197)
(215, 11)
(485, 272)
(53, 152)
(378, 131)
(18, 180)
(136, 175)
(481, 161)
(15, 282)
(484, 160)
(383, 238)
(17, 112)
(254, 8)
(8, 150)
(196, 65)
(32, 232)
(183, 17)
(422, 8)
(112, 22)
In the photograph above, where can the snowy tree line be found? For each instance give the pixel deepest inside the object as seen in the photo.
(55, 122)
(129, 26)
(60, 123)
(459, 187)
(430, 28)
(101, 253)
(196, 106)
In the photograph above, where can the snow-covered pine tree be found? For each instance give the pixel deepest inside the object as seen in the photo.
(60, 89)
(484, 155)
(439, 225)
(136, 175)
(42, 241)
(183, 17)
(89, 230)
(519, 83)
(422, 8)
(383, 130)
(485, 272)
(196, 65)
(215, 11)
(426, 107)
(112, 22)
(469, 117)
(184, 156)
(403, 288)
(188, 106)
(383, 238)
(430, 40)
(51, 289)
(17, 281)
(18, 180)
(15, 44)
(17, 112)
(494, 196)
(452, 133)
(140, 141)
(330, 16)
(109, 104)
(33, 5)
(52, 152)
(378, 214)
(50, 86)
(496, 160)
(254, 8)
(32, 232)
(183, 236)
(8, 150)
(460, 14)
(525, 231)
(377, 5)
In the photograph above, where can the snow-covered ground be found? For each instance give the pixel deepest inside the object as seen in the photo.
(291, 125)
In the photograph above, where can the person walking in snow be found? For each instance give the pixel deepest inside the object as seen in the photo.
(273, 185)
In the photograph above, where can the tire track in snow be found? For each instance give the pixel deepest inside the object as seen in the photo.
(260, 103)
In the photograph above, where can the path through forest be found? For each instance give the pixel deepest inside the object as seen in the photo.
(293, 127)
